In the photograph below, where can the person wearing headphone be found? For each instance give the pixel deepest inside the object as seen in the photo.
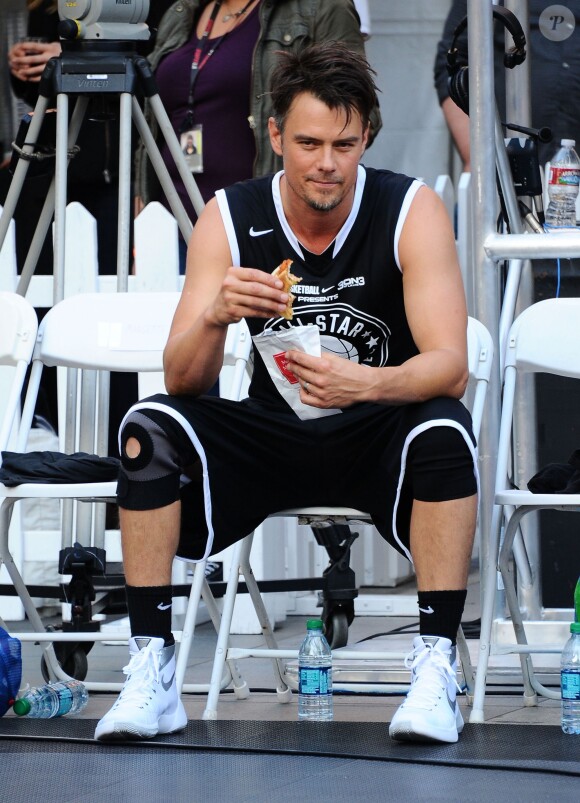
(554, 48)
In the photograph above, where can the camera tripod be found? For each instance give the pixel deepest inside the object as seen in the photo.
(86, 69)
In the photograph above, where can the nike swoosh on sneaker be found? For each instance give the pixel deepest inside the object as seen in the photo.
(423, 610)
(163, 607)
(167, 684)
(254, 233)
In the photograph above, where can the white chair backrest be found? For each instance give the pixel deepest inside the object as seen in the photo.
(480, 359)
(545, 337)
(237, 351)
(18, 327)
(108, 331)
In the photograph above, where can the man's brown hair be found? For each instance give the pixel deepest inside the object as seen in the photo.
(332, 73)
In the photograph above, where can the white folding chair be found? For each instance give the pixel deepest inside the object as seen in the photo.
(543, 339)
(18, 327)
(480, 350)
(89, 335)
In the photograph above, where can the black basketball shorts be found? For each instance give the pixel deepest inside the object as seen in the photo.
(257, 459)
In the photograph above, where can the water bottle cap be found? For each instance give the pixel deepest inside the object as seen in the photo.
(21, 707)
(314, 624)
(575, 627)
(568, 143)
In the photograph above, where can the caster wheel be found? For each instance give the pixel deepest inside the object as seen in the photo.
(73, 661)
(336, 629)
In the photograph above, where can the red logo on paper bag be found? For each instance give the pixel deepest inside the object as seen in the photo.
(282, 364)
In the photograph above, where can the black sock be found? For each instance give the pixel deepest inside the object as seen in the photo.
(150, 611)
(440, 613)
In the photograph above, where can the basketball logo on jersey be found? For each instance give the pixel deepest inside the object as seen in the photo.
(344, 331)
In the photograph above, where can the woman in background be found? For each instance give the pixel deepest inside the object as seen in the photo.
(212, 61)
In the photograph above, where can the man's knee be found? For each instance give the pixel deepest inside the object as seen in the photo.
(441, 465)
(151, 463)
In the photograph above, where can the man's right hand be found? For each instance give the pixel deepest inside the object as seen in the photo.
(247, 293)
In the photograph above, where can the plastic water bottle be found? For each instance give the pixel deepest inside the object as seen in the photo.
(52, 700)
(570, 673)
(563, 186)
(315, 675)
(570, 678)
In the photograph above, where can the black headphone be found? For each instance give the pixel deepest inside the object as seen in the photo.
(458, 81)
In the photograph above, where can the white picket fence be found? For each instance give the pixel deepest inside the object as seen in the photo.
(289, 550)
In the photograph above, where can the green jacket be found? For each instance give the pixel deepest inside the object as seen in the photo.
(284, 24)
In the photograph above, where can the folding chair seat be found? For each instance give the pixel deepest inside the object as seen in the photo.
(543, 339)
(89, 335)
(480, 352)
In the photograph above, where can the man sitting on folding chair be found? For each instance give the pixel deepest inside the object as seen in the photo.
(379, 275)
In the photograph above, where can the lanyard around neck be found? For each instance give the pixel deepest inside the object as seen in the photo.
(197, 62)
(200, 57)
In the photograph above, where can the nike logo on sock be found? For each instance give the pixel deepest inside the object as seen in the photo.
(163, 607)
(254, 233)
(427, 610)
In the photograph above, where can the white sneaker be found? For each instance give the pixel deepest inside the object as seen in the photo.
(430, 712)
(149, 703)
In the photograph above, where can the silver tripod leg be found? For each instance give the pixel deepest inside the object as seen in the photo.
(48, 209)
(18, 180)
(125, 219)
(60, 174)
(183, 221)
(22, 168)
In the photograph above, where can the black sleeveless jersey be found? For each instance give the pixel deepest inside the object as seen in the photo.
(353, 292)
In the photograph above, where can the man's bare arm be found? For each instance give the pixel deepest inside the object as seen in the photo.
(214, 295)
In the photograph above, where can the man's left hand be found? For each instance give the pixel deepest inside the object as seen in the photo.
(330, 381)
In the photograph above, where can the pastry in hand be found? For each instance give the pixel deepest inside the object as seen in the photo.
(288, 281)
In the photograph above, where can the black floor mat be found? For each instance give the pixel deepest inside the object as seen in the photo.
(264, 761)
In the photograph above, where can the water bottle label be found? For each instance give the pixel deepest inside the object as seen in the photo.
(65, 702)
(315, 681)
(570, 685)
(565, 176)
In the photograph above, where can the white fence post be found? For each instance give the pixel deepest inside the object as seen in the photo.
(156, 250)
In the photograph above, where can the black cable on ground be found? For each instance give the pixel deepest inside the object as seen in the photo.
(283, 752)
(470, 630)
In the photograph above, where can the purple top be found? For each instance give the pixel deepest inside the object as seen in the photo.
(221, 105)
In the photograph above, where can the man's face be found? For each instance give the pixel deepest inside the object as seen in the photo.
(320, 152)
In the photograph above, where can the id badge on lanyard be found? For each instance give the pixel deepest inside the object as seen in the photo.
(191, 141)
(191, 134)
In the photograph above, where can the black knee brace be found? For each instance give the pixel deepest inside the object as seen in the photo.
(440, 465)
(151, 479)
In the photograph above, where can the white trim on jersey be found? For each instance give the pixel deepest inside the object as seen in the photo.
(277, 197)
(346, 227)
(224, 208)
(349, 222)
(406, 205)
(436, 422)
(165, 408)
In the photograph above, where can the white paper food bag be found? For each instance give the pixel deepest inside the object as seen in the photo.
(273, 346)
